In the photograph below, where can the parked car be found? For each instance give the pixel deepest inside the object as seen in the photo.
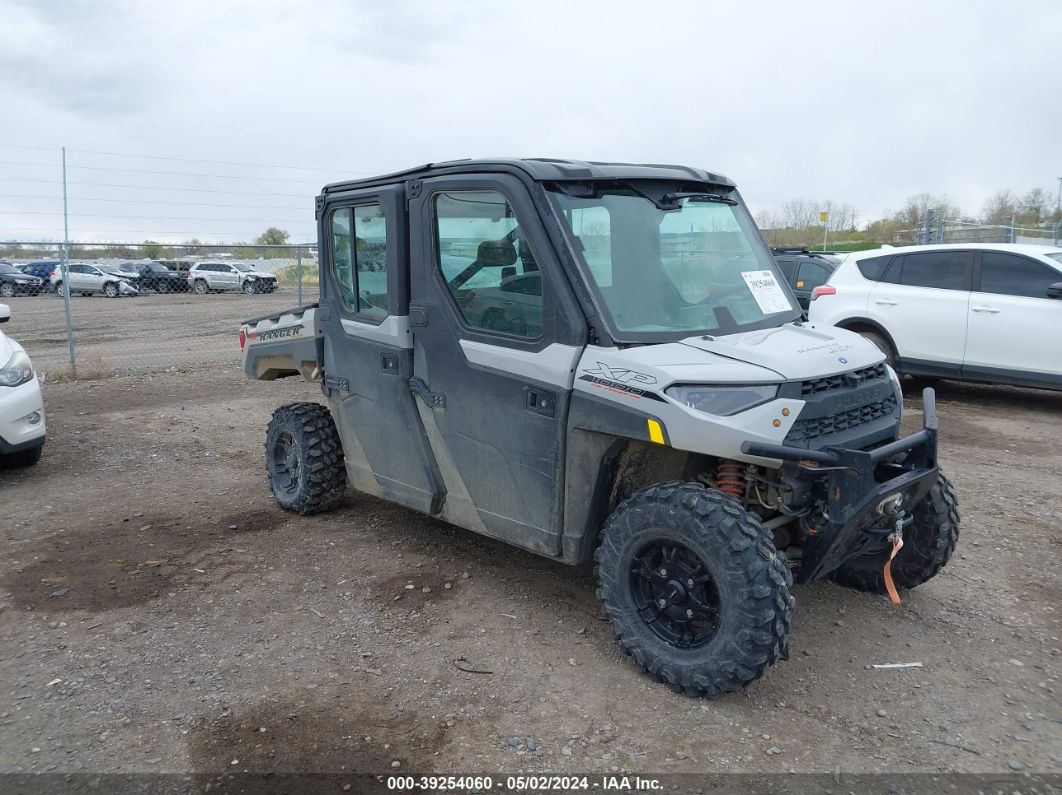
(805, 270)
(14, 282)
(42, 269)
(22, 430)
(155, 276)
(978, 312)
(204, 277)
(89, 279)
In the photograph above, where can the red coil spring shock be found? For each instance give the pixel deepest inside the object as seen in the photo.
(730, 478)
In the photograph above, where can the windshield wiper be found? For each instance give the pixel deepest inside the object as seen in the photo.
(696, 196)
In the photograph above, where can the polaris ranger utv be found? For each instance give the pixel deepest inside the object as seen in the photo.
(602, 361)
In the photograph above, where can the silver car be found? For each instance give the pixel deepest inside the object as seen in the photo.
(206, 277)
(89, 279)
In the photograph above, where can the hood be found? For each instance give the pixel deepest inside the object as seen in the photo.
(793, 351)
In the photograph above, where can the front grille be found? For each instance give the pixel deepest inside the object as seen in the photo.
(854, 378)
(804, 431)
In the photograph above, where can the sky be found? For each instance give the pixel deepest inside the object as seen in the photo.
(215, 119)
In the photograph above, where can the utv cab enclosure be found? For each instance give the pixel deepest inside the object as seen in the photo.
(602, 361)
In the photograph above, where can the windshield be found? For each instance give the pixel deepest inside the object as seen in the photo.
(242, 268)
(110, 269)
(1057, 257)
(5, 268)
(669, 264)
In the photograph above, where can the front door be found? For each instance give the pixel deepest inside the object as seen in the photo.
(1013, 325)
(495, 344)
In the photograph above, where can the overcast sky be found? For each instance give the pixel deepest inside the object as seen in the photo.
(854, 102)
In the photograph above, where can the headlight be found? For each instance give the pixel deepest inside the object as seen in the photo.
(722, 400)
(17, 371)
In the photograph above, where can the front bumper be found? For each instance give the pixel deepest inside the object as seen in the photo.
(27, 288)
(18, 403)
(857, 482)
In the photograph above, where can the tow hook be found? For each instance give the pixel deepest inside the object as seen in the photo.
(896, 540)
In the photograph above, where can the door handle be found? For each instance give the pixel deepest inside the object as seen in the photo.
(990, 309)
(887, 302)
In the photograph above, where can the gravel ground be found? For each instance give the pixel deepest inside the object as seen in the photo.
(159, 613)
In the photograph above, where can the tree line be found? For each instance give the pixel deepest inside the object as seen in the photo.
(797, 221)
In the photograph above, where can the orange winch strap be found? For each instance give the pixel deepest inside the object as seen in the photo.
(890, 587)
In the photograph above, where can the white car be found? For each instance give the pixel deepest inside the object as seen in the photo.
(22, 429)
(978, 312)
(205, 277)
(89, 279)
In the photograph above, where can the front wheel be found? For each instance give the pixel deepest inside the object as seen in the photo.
(110, 289)
(928, 543)
(7, 290)
(304, 458)
(250, 288)
(694, 588)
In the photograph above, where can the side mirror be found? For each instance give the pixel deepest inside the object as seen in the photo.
(1054, 290)
(5, 313)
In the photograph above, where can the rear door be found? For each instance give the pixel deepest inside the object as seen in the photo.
(496, 337)
(922, 301)
(1013, 326)
(368, 350)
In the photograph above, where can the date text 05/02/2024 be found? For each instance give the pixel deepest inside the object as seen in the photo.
(523, 783)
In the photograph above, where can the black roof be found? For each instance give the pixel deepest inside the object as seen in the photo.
(542, 169)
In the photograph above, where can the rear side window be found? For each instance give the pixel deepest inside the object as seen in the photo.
(1010, 274)
(941, 270)
(873, 268)
(359, 258)
(812, 274)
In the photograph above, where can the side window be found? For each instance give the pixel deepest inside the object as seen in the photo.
(943, 270)
(785, 264)
(873, 268)
(1009, 274)
(812, 275)
(359, 258)
(487, 264)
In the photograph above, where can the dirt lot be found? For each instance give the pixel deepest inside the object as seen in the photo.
(159, 613)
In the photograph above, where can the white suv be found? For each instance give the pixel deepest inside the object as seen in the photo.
(203, 277)
(21, 407)
(980, 312)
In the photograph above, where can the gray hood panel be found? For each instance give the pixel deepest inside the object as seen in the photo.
(795, 352)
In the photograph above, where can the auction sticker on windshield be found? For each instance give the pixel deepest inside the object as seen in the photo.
(765, 289)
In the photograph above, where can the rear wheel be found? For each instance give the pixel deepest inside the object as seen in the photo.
(882, 343)
(201, 286)
(694, 588)
(928, 543)
(59, 288)
(304, 458)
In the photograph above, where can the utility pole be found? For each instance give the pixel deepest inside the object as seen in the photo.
(64, 263)
(1058, 210)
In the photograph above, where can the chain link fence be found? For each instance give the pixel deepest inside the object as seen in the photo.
(144, 309)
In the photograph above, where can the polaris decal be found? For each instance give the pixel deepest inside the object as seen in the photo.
(273, 333)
